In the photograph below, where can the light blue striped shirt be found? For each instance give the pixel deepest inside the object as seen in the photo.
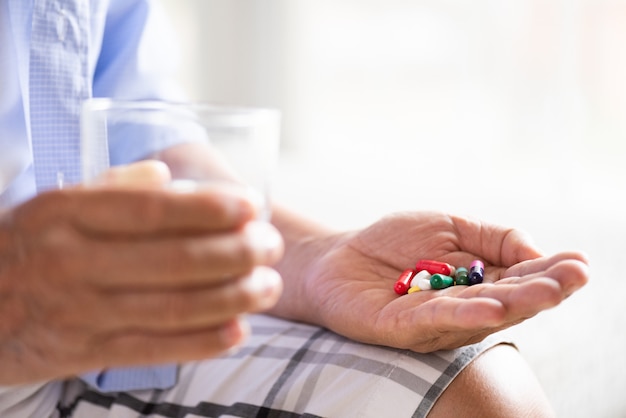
(53, 55)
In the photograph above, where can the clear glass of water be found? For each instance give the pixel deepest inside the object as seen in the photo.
(238, 145)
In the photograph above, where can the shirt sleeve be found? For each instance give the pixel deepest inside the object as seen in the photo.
(138, 60)
(138, 56)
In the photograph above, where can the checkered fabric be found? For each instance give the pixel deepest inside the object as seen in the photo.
(58, 84)
(289, 369)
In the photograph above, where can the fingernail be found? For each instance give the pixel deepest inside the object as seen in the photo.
(263, 281)
(234, 333)
(265, 237)
(257, 201)
(246, 202)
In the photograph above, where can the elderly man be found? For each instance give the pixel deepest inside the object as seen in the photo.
(126, 302)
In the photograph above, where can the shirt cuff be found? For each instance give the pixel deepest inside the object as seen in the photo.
(135, 378)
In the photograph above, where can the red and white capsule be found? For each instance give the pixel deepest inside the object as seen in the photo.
(435, 267)
(404, 282)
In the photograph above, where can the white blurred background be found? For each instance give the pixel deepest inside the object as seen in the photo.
(513, 112)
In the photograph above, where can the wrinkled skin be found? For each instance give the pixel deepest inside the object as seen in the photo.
(348, 287)
(126, 273)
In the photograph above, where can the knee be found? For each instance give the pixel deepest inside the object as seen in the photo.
(498, 383)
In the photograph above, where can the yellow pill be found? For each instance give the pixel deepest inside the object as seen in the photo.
(414, 289)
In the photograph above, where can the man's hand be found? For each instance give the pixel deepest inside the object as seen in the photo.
(348, 285)
(116, 275)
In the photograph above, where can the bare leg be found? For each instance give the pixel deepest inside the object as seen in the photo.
(498, 383)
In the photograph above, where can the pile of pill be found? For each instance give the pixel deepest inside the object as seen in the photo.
(430, 274)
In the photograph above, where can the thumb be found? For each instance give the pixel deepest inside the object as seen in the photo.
(148, 173)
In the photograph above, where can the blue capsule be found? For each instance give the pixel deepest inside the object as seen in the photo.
(476, 272)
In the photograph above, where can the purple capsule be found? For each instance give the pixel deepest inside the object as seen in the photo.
(476, 272)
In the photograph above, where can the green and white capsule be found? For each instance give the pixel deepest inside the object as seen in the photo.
(441, 281)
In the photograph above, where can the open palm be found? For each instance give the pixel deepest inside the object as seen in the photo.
(351, 285)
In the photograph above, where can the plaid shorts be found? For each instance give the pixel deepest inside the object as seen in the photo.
(288, 369)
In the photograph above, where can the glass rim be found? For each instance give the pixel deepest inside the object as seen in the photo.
(108, 103)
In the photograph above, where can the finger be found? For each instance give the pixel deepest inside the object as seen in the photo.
(444, 321)
(181, 262)
(134, 212)
(152, 211)
(495, 244)
(452, 313)
(521, 301)
(570, 273)
(144, 348)
(544, 263)
(168, 311)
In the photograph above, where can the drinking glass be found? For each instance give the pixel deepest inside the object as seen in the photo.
(240, 144)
